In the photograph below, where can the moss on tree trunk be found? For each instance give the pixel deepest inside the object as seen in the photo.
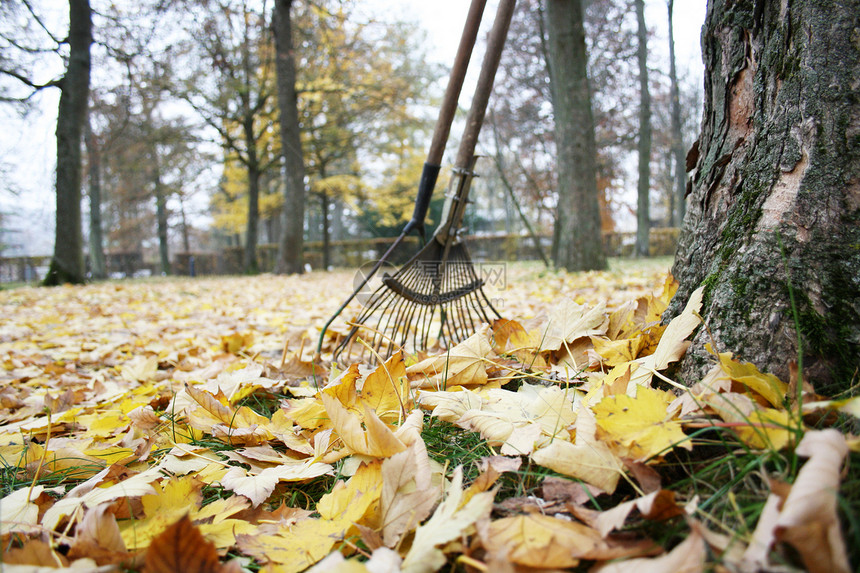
(775, 195)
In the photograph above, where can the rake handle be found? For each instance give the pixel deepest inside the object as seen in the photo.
(445, 233)
(446, 117)
(475, 119)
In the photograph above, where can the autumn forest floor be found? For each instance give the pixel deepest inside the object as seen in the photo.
(182, 424)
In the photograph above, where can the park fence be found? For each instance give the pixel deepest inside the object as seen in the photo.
(342, 254)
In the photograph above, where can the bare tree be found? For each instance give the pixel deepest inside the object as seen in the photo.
(578, 221)
(643, 189)
(291, 245)
(680, 175)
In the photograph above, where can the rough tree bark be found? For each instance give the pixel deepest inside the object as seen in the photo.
(67, 264)
(773, 222)
(579, 246)
(290, 259)
(680, 175)
(643, 190)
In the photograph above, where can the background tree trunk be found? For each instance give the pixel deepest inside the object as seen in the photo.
(643, 191)
(160, 212)
(67, 264)
(579, 245)
(775, 201)
(98, 269)
(290, 248)
(680, 173)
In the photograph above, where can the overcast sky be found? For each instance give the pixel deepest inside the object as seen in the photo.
(28, 149)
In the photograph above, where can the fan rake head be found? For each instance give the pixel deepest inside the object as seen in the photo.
(432, 298)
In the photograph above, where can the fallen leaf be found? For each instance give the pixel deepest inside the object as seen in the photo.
(587, 458)
(464, 364)
(687, 557)
(808, 519)
(408, 494)
(450, 520)
(569, 321)
(540, 541)
(640, 425)
(657, 506)
(181, 547)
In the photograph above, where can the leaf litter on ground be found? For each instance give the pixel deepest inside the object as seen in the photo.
(186, 425)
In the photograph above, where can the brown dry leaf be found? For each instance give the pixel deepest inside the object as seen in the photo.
(656, 506)
(33, 552)
(687, 557)
(181, 547)
(567, 491)
(807, 519)
(98, 536)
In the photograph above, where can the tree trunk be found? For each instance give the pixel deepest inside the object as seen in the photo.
(579, 246)
(160, 213)
(250, 264)
(326, 235)
(290, 248)
(772, 223)
(67, 264)
(98, 268)
(643, 202)
(680, 177)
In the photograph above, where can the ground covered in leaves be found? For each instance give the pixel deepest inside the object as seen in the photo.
(187, 425)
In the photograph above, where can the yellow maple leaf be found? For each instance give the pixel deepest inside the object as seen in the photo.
(768, 386)
(615, 352)
(386, 390)
(294, 548)
(542, 541)
(172, 499)
(374, 439)
(673, 343)
(641, 426)
(357, 497)
(765, 428)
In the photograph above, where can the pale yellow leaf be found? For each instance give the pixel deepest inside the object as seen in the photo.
(569, 321)
(447, 523)
(19, 513)
(408, 494)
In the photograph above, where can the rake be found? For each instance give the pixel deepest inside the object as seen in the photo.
(438, 289)
(432, 165)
